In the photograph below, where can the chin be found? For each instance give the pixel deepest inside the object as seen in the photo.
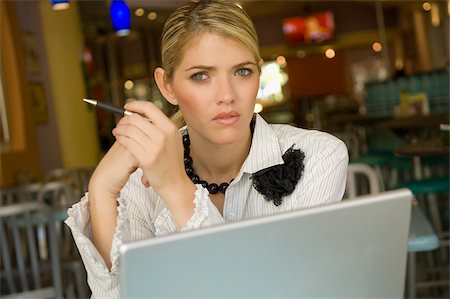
(230, 136)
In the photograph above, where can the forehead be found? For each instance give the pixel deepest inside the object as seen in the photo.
(213, 49)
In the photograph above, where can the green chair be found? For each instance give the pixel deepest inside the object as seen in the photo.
(430, 185)
(422, 238)
(429, 189)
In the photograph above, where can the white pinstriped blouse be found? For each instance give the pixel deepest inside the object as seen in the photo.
(142, 213)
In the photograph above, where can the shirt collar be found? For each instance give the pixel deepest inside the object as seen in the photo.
(265, 150)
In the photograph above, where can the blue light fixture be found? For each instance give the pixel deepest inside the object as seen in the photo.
(60, 4)
(120, 17)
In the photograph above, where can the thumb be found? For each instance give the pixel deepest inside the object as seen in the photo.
(144, 181)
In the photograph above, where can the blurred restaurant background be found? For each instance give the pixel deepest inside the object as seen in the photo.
(373, 73)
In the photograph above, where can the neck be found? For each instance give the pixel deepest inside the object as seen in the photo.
(219, 163)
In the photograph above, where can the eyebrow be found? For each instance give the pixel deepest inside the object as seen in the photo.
(205, 67)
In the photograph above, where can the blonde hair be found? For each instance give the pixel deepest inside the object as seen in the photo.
(214, 16)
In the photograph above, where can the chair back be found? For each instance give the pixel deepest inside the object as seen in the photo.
(75, 178)
(57, 194)
(23, 269)
(358, 172)
(19, 194)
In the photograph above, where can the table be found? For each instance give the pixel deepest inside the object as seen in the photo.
(427, 148)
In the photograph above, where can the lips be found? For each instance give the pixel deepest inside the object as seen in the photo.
(227, 118)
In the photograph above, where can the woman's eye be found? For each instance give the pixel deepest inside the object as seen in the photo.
(244, 72)
(198, 76)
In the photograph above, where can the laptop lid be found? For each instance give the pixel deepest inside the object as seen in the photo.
(355, 248)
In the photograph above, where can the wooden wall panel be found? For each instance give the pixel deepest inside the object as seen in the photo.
(20, 157)
(316, 76)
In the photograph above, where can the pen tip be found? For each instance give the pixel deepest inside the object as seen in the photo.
(93, 102)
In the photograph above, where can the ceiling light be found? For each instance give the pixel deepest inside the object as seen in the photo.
(426, 6)
(330, 53)
(152, 16)
(120, 17)
(139, 12)
(60, 4)
(377, 47)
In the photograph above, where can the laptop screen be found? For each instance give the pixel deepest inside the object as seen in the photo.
(354, 248)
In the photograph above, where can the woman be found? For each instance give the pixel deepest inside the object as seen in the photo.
(226, 164)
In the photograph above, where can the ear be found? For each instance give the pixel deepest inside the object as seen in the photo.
(164, 86)
(260, 64)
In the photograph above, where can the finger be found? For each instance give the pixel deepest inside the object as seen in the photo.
(138, 144)
(149, 110)
(140, 122)
(145, 182)
(142, 138)
(130, 125)
(136, 150)
(156, 133)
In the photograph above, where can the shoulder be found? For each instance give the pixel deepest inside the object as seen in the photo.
(309, 141)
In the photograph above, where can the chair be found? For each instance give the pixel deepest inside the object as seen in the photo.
(429, 190)
(20, 193)
(59, 196)
(355, 170)
(422, 237)
(23, 272)
(76, 178)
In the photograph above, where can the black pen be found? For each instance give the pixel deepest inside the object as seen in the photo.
(108, 107)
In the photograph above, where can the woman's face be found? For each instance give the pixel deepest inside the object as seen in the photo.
(215, 85)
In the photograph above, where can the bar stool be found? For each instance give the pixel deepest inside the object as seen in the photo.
(422, 237)
(429, 189)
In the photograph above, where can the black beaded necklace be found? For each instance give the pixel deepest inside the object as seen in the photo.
(213, 188)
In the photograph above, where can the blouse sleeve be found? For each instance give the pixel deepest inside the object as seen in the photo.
(325, 181)
(137, 208)
(205, 214)
(102, 281)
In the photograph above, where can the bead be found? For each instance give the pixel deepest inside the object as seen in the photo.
(195, 179)
(186, 140)
(203, 183)
(223, 187)
(213, 188)
(187, 161)
(189, 171)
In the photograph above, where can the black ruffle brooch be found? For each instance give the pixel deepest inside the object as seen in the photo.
(277, 181)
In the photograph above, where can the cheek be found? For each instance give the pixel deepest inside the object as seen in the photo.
(187, 96)
(252, 90)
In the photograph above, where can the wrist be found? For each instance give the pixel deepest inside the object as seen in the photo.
(178, 191)
(99, 190)
(179, 199)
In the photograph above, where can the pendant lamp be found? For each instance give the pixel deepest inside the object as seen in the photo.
(120, 17)
(60, 4)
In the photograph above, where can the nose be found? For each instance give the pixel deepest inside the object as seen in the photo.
(225, 90)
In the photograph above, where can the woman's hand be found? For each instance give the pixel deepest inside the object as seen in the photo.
(156, 145)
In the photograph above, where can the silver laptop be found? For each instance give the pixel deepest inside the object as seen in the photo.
(352, 249)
